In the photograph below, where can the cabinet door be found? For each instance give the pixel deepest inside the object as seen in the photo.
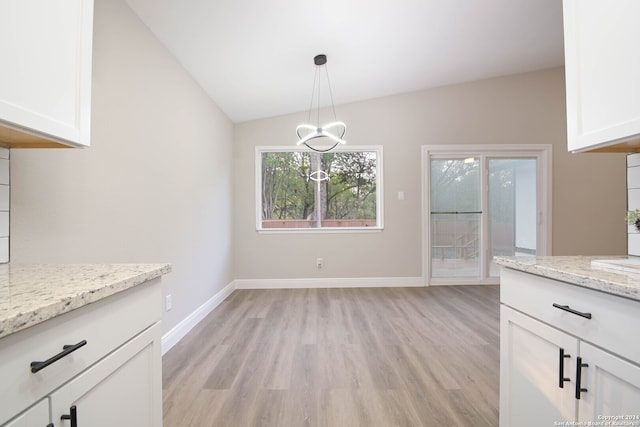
(45, 78)
(531, 357)
(36, 416)
(122, 390)
(602, 69)
(612, 384)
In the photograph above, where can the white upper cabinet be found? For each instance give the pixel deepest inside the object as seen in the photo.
(45, 76)
(602, 68)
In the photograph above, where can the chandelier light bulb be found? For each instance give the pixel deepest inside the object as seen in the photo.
(326, 131)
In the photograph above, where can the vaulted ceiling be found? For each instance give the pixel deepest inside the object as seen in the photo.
(254, 58)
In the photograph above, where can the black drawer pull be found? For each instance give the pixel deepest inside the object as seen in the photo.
(72, 416)
(579, 366)
(572, 311)
(66, 350)
(561, 378)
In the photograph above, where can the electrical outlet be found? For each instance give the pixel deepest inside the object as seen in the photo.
(168, 302)
(319, 263)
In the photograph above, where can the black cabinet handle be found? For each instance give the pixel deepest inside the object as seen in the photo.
(579, 366)
(561, 377)
(73, 416)
(66, 350)
(572, 311)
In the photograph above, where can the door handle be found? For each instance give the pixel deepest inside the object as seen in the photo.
(579, 366)
(561, 377)
(72, 416)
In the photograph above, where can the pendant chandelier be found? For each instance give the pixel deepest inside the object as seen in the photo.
(313, 135)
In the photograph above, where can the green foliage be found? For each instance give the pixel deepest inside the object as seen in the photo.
(633, 218)
(289, 193)
(351, 189)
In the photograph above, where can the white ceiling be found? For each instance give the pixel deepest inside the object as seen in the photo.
(255, 57)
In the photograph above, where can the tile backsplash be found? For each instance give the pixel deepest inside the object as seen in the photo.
(4, 205)
(633, 201)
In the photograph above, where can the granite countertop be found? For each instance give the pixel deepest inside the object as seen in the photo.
(33, 293)
(577, 270)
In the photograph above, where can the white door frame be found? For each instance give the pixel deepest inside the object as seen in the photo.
(542, 152)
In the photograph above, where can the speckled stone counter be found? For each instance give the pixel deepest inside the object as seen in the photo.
(31, 294)
(577, 270)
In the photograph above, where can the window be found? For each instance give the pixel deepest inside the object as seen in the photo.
(298, 189)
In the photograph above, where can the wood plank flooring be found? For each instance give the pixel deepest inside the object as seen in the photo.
(339, 357)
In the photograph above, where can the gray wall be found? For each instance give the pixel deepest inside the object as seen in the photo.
(156, 183)
(588, 189)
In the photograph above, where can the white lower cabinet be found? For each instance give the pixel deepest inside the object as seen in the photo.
(121, 390)
(530, 378)
(612, 384)
(36, 416)
(567, 354)
(116, 391)
(109, 369)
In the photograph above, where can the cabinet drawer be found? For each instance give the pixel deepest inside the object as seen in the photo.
(98, 393)
(105, 325)
(614, 320)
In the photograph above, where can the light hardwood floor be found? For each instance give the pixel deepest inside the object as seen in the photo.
(339, 357)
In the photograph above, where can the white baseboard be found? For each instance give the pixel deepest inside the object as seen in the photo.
(351, 282)
(464, 282)
(179, 331)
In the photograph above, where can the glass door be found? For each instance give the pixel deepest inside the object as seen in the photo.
(456, 218)
(482, 204)
(513, 208)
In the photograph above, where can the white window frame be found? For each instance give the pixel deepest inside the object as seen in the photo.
(345, 149)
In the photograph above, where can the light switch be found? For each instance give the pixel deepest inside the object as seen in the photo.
(400, 195)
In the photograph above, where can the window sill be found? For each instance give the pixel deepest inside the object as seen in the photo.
(335, 230)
